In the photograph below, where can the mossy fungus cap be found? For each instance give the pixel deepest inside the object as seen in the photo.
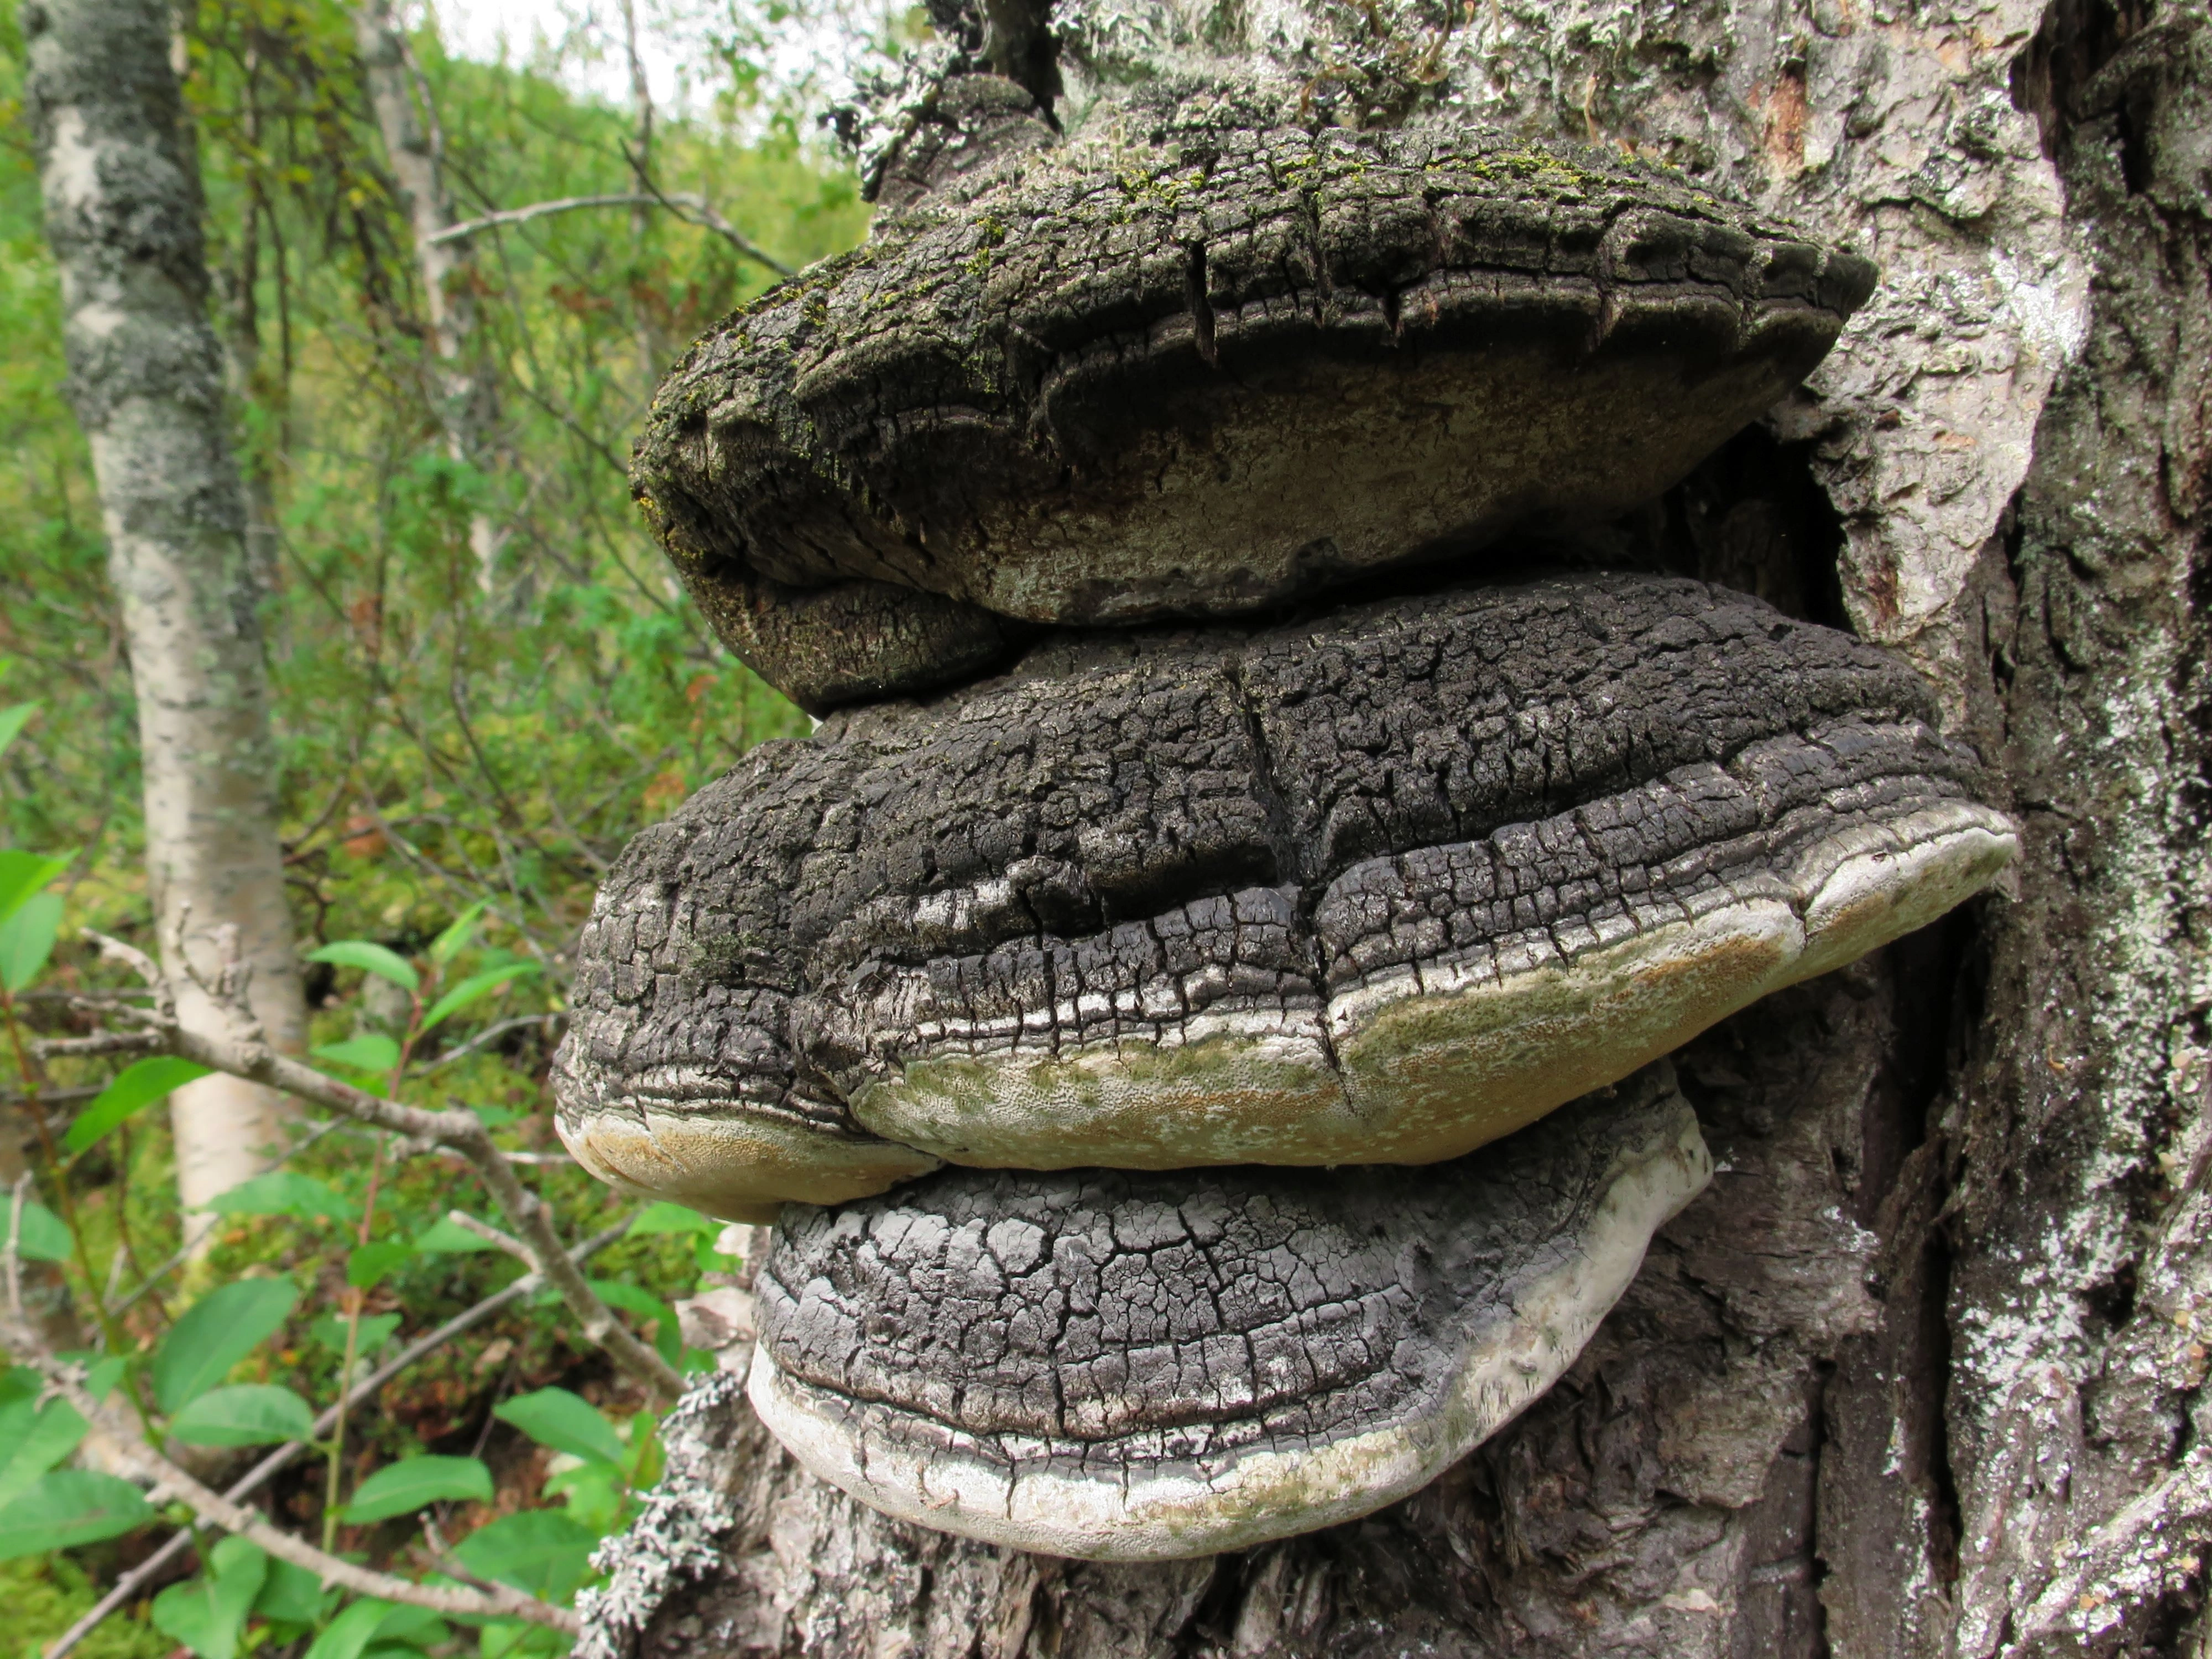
(1193, 369)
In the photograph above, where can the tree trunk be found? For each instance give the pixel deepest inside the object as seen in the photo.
(1922, 1373)
(122, 211)
(413, 150)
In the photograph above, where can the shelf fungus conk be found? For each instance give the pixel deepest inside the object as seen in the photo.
(1201, 1034)
(1135, 1367)
(1120, 381)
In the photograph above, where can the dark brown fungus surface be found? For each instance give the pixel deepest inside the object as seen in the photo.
(1199, 373)
(1379, 887)
(1142, 1366)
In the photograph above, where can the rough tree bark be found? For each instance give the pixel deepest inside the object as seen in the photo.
(463, 392)
(123, 212)
(1922, 1372)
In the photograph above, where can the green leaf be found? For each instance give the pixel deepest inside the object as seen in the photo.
(666, 1218)
(218, 1330)
(473, 987)
(283, 1192)
(208, 1613)
(455, 939)
(27, 940)
(634, 1299)
(417, 1625)
(446, 1236)
(32, 1440)
(42, 1237)
(351, 1631)
(370, 958)
(566, 1422)
(245, 1414)
(376, 1330)
(372, 1053)
(137, 1086)
(22, 874)
(292, 1595)
(366, 1265)
(403, 1487)
(540, 1551)
(67, 1507)
(13, 721)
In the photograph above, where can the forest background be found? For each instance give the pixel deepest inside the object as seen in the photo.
(460, 758)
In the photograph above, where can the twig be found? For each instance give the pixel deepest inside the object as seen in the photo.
(11, 1256)
(67, 1382)
(489, 1034)
(107, 1042)
(250, 1057)
(127, 1588)
(490, 1235)
(685, 205)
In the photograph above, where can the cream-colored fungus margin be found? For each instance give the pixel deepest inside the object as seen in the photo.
(740, 1167)
(1432, 1061)
(1535, 1328)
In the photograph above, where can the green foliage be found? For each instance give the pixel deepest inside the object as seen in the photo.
(539, 1551)
(456, 768)
(218, 1330)
(140, 1084)
(566, 1422)
(66, 1507)
(39, 1235)
(208, 1613)
(244, 1414)
(415, 1483)
(34, 1436)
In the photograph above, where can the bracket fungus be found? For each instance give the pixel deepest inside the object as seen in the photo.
(1198, 1004)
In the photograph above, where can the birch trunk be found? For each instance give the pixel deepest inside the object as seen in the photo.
(1924, 1372)
(414, 150)
(123, 212)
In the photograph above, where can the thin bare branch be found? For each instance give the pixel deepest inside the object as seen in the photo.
(491, 1235)
(685, 204)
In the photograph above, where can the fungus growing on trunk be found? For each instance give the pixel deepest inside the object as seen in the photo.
(1135, 1367)
(1197, 371)
(1201, 1031)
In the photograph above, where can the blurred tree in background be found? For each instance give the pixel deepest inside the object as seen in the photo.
(485, 682)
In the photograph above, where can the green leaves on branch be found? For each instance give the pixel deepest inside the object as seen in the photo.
(666, 1218)
(137, 1086)
(207, 1615)
(375, 1054)
(375, 1331)
(29, 916)
(40, 1235)
(22, 874)
(283, 1192)
(370, 958)
(245, 1414)
(540, 1551)
(13, 720)
(68, 1507)
(33, 1439)
(366, 1265)
(415, 1483)
(566, 1422)
(218, 1330)
(369, 1621)
(474, 988)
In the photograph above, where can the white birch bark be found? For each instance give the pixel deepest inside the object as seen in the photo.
(123, 213)
(413, 150)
